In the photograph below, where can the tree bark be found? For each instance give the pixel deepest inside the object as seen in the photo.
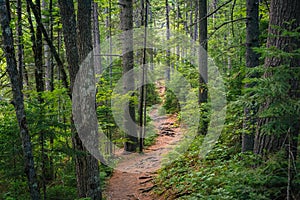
(68, 18)
(168, 53)
(283, 14)
(126, 25)
(87, 169)
(252, 60)
(18, 99)
(20, 42)
(85, 45)
(47, 54)
(37, 48)
(96, 40)
(203, 51)
(203, 73)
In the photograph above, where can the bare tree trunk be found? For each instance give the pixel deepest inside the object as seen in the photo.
(20, 42)
(50, 76)
(87, 169)
(203, 51)
(18, 99)
(37, 48)
(196, 29)
(68, 18)
(108, 37)
(85, 45)
(126, 16)
(203, 73)
(142, 101)
(252, 60)
(47, 54)
(96, 40)
(168, 53)
(178, 15)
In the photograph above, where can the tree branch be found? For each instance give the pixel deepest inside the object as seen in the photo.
(210, 14)
(49, 42)
(227, 22)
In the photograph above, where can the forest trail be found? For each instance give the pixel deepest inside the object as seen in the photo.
(133, 177)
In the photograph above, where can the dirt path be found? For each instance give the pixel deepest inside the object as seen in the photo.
(133, 178)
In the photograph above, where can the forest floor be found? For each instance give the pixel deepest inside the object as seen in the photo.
(133, 176)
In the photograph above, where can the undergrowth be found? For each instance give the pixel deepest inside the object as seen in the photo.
(224, 174)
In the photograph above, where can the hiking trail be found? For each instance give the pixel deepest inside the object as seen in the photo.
(133, 177)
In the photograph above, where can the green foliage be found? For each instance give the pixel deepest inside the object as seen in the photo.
(171, 104)
(223, 174)
(50, 118)
(62, 192)
(226, 173)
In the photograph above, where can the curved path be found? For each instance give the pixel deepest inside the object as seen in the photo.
(133, 177)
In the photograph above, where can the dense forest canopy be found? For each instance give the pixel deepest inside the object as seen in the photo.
(91, 87)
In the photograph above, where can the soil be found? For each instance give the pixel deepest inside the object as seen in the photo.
(133, 177)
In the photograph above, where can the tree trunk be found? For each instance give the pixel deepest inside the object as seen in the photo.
(203, 51)
(47, 54)
(283, 14)
(37, 47)
(196, 29)
(128, 63)
(252, 60)
(142, 101)
(38, 54)
(68, 18)
(87, 169)
(168, 53)
(85, 45)
(203, 73)
(20, 42)
(96, 40)
(18, 99)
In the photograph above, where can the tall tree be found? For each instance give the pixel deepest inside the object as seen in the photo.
(284, 15)
(143, 89)
(126, 25)
(252, 60)
(168, 52)
(18, 99)
(37, 48)
(47, 55)
(20, 41)
(203, 73)
(87, 169)
(96, 39)
(85, 44)
(68, 19)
